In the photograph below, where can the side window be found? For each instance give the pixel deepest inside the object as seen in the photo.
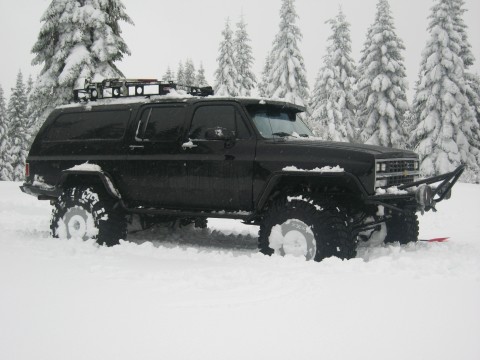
(164, 123)
(91, 125)
(212, 116)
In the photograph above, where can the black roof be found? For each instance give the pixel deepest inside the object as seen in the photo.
(127, 101)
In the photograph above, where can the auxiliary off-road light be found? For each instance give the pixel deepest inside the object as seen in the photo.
(424, 196)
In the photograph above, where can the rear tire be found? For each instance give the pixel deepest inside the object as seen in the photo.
(304, 228)
(402, 228)
(85, 212)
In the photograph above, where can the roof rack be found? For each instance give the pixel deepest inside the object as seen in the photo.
(116, 88)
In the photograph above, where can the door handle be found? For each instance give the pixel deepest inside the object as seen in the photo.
(133, 147)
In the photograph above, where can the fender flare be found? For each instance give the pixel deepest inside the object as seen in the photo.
(105, 178)
(276, 177)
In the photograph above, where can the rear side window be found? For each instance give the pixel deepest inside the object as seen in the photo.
(164, 123)
(91, 125)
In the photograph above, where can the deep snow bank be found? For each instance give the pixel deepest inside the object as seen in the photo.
(210, 295)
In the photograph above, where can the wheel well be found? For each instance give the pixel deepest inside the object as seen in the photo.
(97, 180)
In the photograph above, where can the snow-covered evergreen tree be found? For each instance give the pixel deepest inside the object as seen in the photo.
(382, 84)
(459, 25)
(6, 169)
(333, 103)
(473, 93)
(226, 75)
(446, 129)
(244, 59)
(18, 134)
(189, 73)
(200, 79)
(180, 74)
(169, 75)
(79, 39)
(263, 84)
(287, 77)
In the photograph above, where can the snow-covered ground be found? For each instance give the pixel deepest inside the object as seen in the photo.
(210, 295)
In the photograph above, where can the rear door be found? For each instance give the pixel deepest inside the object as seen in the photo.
(220, 173)
(155, 171)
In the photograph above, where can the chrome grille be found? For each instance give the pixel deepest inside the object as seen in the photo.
(400, 166)
(396, 172)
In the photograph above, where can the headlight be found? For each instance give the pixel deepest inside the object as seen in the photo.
(416, 165)
(383, 167)
(378, 167)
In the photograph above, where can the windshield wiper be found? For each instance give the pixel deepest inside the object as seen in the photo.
(282, 134)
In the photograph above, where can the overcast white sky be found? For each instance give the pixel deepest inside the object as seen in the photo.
(167, 31)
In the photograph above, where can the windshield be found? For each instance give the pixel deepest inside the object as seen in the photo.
(279, 123)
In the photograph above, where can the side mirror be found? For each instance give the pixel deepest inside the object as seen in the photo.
(219, 133)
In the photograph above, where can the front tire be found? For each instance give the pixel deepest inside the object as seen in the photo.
(305, 229)
(402, 228)
(88, 213)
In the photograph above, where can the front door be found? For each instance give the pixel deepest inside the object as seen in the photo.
(220, 172)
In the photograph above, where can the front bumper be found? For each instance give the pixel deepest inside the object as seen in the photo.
(420, 194)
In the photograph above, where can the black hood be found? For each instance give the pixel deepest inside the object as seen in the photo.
(379, 152)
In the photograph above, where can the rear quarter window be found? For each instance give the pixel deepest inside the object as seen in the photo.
(89, 125)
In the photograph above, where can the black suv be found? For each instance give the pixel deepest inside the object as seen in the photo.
(188, 158)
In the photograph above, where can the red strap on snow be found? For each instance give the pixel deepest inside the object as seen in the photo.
(439, 239)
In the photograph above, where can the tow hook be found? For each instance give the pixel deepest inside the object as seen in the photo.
(424, 197)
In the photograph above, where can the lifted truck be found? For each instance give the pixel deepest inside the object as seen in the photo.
(144, 149)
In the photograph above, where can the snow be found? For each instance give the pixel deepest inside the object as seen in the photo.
(86, 167)
(324, 169)
(208, 294)
(393, 190)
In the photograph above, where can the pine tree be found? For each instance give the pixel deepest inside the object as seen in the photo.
(473, 93)
(459, 25)
(180, 74)
(287, 77)
(382, 85)
(6, 169)
(333, 103)
(189, 73)
(201, 80)
(244, 59)
(444, 134)
(79, 39)
(169, 75)
(18, 132)
(226, 75)
(263, 84)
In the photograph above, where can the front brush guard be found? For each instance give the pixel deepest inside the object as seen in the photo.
(444, 189)
(439, 193)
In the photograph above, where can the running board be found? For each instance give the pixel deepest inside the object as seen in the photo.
(240, 215)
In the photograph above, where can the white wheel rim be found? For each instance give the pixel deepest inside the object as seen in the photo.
(293, 237)
(77, 226)
(77, 223)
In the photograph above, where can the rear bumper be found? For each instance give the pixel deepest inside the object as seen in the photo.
(41, 193)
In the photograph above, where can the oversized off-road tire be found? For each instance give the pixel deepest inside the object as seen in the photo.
(85, 212)
(305, 229)
(402, 228)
